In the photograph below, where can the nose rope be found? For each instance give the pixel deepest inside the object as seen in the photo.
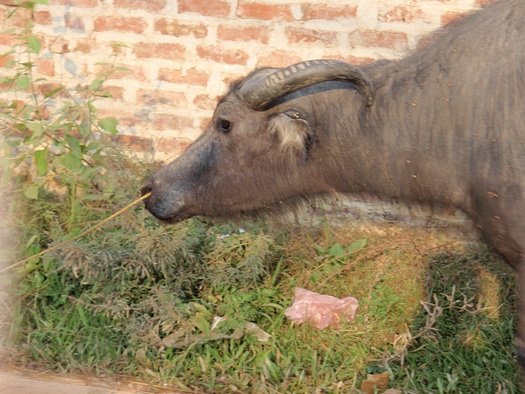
(82, 234)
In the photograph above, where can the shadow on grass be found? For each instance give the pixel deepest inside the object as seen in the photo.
(467, 327)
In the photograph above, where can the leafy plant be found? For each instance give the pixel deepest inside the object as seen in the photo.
(332, 260)
(53, 141)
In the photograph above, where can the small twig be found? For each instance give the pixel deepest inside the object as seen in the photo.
(83, 233)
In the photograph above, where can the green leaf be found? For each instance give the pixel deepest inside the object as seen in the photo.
(71, 161)
(94, 146)
(14, 143)
(33, 44)
(319, 249)
(96, 84)
(332, 268)
(41, 161)
(201, 323)
(53, 92)
(31, 192)
(336, 251)
(315, 276)
(109, 125)
(356, 246)
(74, 145)
(85, 128)
(6, 80)
(82, 315)
(22, 82)
(36, 128)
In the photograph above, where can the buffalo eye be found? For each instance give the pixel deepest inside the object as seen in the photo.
(223, 125)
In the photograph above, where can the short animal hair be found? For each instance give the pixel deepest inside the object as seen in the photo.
(292, 132)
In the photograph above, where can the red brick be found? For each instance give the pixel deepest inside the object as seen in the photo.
(402, 13)
(19, 105)
(120, 23)
(205, 7)
(45, 88)
(247, 33)
(175, 28)
(278, 59)
(6, 60)
(118, 48)
(76, 3)
(229, 78)
(358, 61)
(7, 39)
(45, 66)
(147, 5)
(263, 11)
(171, 122)
(133, 142)
(174, 146)
(22, 17)
(165, 97)
(204, 101)
(383, 39)
(449, 17)
(221, 55)
(129, 72)
(205, 123)
(484, 3)
(83, 46)
(191, 77)
(58, 45)
(355, 60)
(126, 120)
(298, 35)
(328, 12)
(43, 18)
(425, 41)
(162, 51)
(116, 92)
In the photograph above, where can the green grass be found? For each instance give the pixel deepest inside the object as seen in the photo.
(469, 349)
(131, 310)
(144, 300)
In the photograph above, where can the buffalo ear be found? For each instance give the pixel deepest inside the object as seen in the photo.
(292, 131)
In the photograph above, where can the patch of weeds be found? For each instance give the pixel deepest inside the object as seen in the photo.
(466, 346)
(163, 311)
(241, 259)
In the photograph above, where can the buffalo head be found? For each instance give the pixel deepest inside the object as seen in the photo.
(267, 143)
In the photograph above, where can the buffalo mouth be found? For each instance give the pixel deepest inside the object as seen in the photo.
(167, 218)
(160, 209)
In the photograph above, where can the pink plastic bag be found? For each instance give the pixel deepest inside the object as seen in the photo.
(320, 310)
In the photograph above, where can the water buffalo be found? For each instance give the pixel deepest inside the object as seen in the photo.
(445, 125)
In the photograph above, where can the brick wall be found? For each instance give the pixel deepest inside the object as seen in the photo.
(177, 56)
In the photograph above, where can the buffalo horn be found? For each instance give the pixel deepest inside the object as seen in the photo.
(258, 94)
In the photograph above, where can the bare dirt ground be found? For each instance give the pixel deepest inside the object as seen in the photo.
(18, 382)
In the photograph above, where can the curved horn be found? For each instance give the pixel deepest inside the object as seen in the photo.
(257, 93)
